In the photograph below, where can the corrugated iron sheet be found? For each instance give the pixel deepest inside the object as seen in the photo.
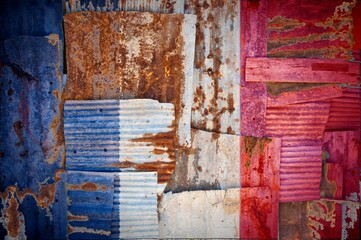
(114, 135)
(90, 204)
(132, 55)
(135, 206)
(200, 214)
(216, 67)
(345, 112)
(300, 126)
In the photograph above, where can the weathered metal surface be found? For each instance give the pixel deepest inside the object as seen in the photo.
(326, 219)
(114, 135)
(31, 143)
(301, 70)
(200, 214)
(345, 112)
(132, 55)
(332, 181)
(216, 65)
(135, 206)
(260, 184)
(90, 204)
(211, 163)
(253, 44)
(304, 95)
(325, 31)
(257, 217)
(163, 6)
(300, 126)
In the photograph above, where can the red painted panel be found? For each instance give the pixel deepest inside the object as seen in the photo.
(301, 70)
(332, 181)
(257, 221)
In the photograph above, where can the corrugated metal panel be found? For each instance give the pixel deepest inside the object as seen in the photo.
(126, 55)
(300, 126)
(200, 214)
(110, 135)
(164, 6)
(90, 204)
(345, 112)
(135, 206)
(217, 62)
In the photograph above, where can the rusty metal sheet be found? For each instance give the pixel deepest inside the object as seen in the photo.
(114, 135)
(301, 70)
(211, 163)
(345, 112)
(332, 181)
(257, 218)
(200, 214)
(216, 65)
(313, 29)
(300, 126)
(253, 44)
(31, 142)
(163, 6)
(132, 55)
(90, 204)
(135, 206)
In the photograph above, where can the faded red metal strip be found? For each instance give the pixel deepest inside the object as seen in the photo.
(301, 70)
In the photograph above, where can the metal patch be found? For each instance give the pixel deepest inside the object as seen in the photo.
(126, 55)
(135, 206)
(114, 135)
(300, 126)
(200, 214)
(216, 65)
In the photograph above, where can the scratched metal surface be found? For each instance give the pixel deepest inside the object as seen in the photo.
(31, 143)
(117, 135)
(216, 65)
(132, 55)
(135, 206)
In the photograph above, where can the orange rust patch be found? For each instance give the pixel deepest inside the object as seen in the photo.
(72, 217)
(11, 215)
(88, 187)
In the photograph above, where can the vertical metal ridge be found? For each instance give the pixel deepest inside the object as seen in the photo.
(135, 205)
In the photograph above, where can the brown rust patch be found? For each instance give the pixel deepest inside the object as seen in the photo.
(230, 102)
(87, 186)
(11, 216)
(72, 217)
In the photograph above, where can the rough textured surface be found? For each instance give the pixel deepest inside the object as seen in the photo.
(132, 55)
(211, 163)
(216, 65)
(31, 145)
(253, 44)
(200, 214)
(260, 184)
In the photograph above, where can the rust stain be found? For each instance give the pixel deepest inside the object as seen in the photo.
(53, 39)
(72, 217)
(12, 197)
(18, 128)
(87, 186)
(125, 55)
(57, 129)
(280, 23)
(319, 213)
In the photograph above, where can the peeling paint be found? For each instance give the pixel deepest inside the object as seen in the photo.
(72, 230)
(280, 24)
